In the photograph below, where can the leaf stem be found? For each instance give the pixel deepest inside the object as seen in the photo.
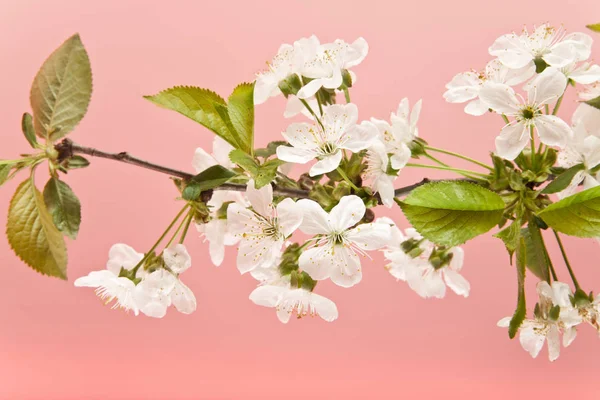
(457, 155)
(568, 264)
(548, 260)
(190, 218)
(533, 152)
(343, 174)
(311, 111)
(347, 94)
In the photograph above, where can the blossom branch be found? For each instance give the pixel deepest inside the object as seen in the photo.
(67, 148)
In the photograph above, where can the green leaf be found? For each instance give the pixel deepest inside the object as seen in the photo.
(576, 215)
(61, 90)
(76, 162)
(521, 310)
(536, 260)
(262, 174)
(32, 234)
(191, 192)
(595, 102)
(28, 130)
(270, 150)
(212, 177)
(240, 106)
(64, 207)
(594, 27)
(561, 182)
(4, 172)
(450, 213)
(244, 161)
(203, 106)
(511, 236)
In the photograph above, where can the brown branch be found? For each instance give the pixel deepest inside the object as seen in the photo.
(67, 148)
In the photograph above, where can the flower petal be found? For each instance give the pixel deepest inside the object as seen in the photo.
(347, 213)
(315, 220)
(371, 236)
(326, 164)
(547, 87)
(552, 130)
(346, 271)
(183, 298)
(317, 262)
(177, 258)
(531, 341)
(289, 216)
(500, 98)
(456, 282)
(122, 256)
(260, 199)
(513, 138)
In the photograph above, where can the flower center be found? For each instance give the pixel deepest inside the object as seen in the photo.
(528, 112)
(328, 148)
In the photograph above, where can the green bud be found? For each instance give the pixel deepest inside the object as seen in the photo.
(76, 162)
(342, 189)
(346, 78)
(581, 298)
(290, 85)
(515, 181)
(323, 196)
(307, 282)
(417, 148)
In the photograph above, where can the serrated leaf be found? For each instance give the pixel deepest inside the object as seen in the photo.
(536, 260)
(61, 90)
(201, 105)
(244, 160)
(240, 106)
(595, 102)
(64, 206)
(270, 150)
(267, 173)
(212, 177)
(4, 173)
(576, 215)
(28, 130)
(521, 310)
(32, 234)
(451, 212)
(594, 27)
(562, 181)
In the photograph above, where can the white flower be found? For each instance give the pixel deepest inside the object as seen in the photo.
(402, 130)
(590, 312)
(338, 245)
(326, 143)
(546, 88)
(534, 332)
(583, 149)
(288, 301)
(109, 286)
(590, 92)
(584, 73)
(163, 288)
(217, 233)
(464, 87)
(377, 173)
(262, 229)
(325, 69)
(290, 59)
(546, 43)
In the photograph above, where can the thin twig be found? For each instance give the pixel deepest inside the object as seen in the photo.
(67, 148)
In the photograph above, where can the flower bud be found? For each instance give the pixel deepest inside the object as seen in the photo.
(290, 85)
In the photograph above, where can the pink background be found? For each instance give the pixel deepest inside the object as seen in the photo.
(59, 342)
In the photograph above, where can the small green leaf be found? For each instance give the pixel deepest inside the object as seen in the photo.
(203, 106)
(267, 173)
(244, 160)
(594, 27)
(576, 215)
(450, 213)
(64, 207)
(4, 173)
(270, 150)
(240, 106)
(76, 162)
(521, 310)
(28, 130)
(32, 234)
(511, 236)
(212, 177)
(562, 181)
(595, 102)
(61, 90)
(536, 260)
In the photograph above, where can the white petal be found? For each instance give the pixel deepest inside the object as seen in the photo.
(327, 164)
(317, 262)
(552, 130)
(346, 271)
(513, 138)
(385, 187)
(456, 282)
(371, 236)
(553, 343)
(289, 215)
(463, 87)
(476, 108)
(360, 137)
(561, 55)
(255, 252)
(301, 136)
(347, 213)
(95, 279)
(202, 160)
(183, 298)
(531, 341)
(122, 256)
(586, 75)
(342, 116)
(547, 87)
(400, 156)
(295, 154)
(267, 295)
(310, 88)
(315, 220)
(500, 98)
(582, 44)
(511, 51)
(504, 322)
(260, 199)
(221, 150)
(177, 258)
(569, 335)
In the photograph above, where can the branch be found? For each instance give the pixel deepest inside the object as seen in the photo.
(67, 148)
